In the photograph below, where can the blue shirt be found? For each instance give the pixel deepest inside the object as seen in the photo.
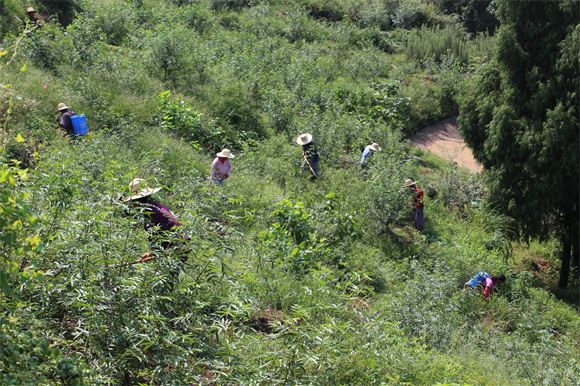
(366, 154)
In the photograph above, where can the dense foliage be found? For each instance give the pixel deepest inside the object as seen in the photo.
(288, 281)
(522, 122)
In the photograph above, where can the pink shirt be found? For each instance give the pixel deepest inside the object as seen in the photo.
(220, 169)
(487, 282)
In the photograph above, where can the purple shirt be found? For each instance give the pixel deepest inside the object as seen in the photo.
(159, 216)
(162, 220)
(219, 169)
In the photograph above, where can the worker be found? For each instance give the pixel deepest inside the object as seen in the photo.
(367, 153)
(309, 153)
(485, 283)
(417, 195)
(33, 20)
(221, 167)
(161, 224)
(65, 122)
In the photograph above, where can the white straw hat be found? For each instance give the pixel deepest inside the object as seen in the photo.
(375, 147)
(61, 106)
(138, 186)
(409, 182)
(304, 139)
(225, 153)
(30, 9)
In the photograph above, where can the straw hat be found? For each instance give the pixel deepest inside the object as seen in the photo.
(30, 9)
(138, 186)
(225, 153)
(409, 182)
(61, 106)
(304, 139)
(375, 147)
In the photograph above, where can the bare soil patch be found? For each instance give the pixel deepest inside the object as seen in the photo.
(444, 140)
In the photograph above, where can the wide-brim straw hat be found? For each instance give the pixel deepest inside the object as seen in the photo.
(375, 147)
(409, 182)
(225, 153)
(139, 188)
(62, 106)
(304, 139)
(30, 9)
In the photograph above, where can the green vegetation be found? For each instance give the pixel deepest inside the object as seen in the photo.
(289, 281)
(530, 115)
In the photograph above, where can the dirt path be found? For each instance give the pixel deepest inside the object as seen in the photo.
(444, 140)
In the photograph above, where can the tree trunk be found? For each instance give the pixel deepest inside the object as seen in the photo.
(566, 252)
(576, 254)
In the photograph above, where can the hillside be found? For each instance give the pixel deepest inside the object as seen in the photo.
(288, 280)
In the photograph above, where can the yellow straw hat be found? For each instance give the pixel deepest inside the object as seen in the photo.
(138, 187)
(225, 153)
(62, 106)
(304, 139)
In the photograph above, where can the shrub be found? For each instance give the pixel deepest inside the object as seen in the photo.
(388, 104)
(408, 15)
(182, 120)
(168, 50)
(27, 359)
(301, 27)
(237, 109)
(292, 218)
(198, 18)
(82, 44)
(39, 47)
(112, 18)
(12, 17)
(388, 202)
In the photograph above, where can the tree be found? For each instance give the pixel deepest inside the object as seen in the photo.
(476, 15)
(521, 120)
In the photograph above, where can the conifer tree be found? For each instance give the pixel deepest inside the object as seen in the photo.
(521, 121)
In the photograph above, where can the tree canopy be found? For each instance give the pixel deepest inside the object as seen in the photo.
(521, 120)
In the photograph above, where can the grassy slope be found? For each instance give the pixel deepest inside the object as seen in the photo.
(383, 306)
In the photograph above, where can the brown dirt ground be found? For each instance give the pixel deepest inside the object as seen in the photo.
(444, 140)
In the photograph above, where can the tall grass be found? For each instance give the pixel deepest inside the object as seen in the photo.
(435, 42)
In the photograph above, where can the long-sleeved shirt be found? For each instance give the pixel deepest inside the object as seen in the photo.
(418, 198)
(160, 221)
(310, 152)
(366, 154)
(219, 169)
(66, 123)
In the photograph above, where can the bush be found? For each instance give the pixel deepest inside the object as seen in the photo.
(198, 18)
(301, 27)
(179, 118)
(27, 359)
(82, 44)
(112, 18)
(168, 51)
(40, 47)
(237, 110)
(408, 15)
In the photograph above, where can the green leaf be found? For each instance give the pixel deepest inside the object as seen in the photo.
(23, 68)
(19, 138)
(4, 284)
(2, 53)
